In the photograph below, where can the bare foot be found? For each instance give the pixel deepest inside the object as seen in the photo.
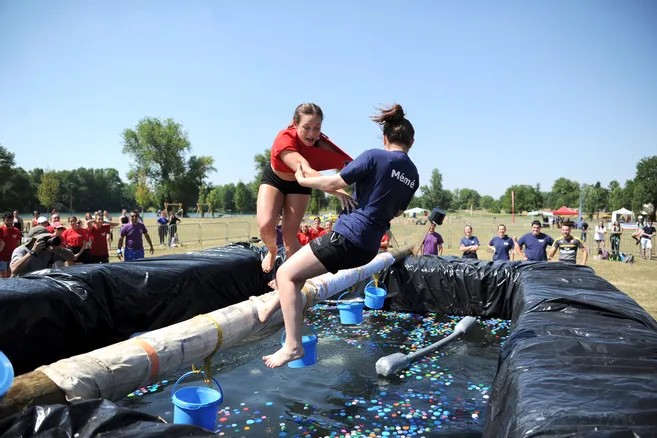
(272, 284)
(269, 262)
(282, 356)
(266, 308)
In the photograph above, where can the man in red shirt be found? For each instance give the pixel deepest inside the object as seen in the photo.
(10, 239)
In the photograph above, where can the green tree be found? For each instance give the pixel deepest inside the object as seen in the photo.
(48, 191)
(526, 198)
(214, 199)
(486, 202)
(564, 192)
(261, 162)
(646, 180)
(466, 199)
(243, 198)
(596, 198)
(143, 194)
(433, 194)
(615, 196)
(158, 150)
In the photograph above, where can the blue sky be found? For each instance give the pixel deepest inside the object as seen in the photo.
(500, 93)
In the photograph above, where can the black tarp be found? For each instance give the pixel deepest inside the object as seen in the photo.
(54, 314)
(92, 418)
(581, 359)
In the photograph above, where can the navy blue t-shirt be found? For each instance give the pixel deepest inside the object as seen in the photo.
(535, 246)
(502, 246)
(385, 182)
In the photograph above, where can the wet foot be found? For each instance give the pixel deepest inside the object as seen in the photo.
(268, 262)
(272, 284)
(282, 356)
(265, 308)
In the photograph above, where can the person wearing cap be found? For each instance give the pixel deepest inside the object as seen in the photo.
(39, 252)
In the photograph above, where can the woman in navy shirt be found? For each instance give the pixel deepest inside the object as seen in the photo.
(385, 181)
(501, 245)
(469, 244)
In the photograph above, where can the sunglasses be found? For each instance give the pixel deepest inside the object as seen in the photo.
(132, 215)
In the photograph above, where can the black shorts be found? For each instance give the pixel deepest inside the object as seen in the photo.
(286, 187)
(99, 259)
(335, 252)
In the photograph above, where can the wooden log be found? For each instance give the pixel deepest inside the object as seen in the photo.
(114, 371)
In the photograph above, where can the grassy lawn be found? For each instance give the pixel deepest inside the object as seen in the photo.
(638, 280)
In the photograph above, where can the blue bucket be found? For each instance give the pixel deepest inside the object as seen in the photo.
(350, 312)
(309, 342)
(374, 296)
(6, 374)
(196, 405)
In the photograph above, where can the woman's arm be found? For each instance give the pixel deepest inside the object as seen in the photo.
(327, 183)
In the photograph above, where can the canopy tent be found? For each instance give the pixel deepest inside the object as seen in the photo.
(621, 215)
(540, 213)
(417, 211)
(565, 211)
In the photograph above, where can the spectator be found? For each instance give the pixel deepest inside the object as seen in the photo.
(39, 252)
(599, 235)
(10, 239)
(638, 232)
(316, 228)
(328, 227)
(162, 227)
(385, 241)
(568, 246)
(432, 244)
(304, 234)
(647, 233)
(35, 217)
(615, 238)
(134, 234)
(18, 222)
(469, 244)
(99, 229)
(77, 239)
(279, 232)
(501, 245)
(43, 221)
(173, 228)
(534, 244)
(585, 228)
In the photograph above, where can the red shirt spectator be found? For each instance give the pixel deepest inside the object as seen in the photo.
(99, 239)
(316, 230)
(11, 237)
(75, 237)
(304, 235)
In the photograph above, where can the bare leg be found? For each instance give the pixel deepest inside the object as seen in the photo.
(269, 204)
(294, 208)
(266, 308)
(290, 275)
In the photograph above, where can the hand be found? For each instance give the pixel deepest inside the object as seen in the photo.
(152, 251)
(347, 202)
(39, 246)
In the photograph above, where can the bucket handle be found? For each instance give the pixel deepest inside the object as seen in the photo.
(381, 285)
(309, 326)
(189, 373)
(348, 292)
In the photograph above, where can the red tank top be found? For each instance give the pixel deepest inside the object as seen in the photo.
(319, 159)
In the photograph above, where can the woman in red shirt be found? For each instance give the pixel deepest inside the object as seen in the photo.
(304, 235)
(77, 240)
(300, 144)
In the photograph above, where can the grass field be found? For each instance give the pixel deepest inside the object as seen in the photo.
(638, 280)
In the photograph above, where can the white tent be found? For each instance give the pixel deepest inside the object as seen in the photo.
(417, 210)
(540, 213)
(622, 212)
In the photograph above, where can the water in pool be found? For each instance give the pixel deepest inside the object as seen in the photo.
(444, 393)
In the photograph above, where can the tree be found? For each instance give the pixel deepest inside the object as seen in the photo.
(158, 150)
(48, 191)
(243, 198)
(466, 199)
(564, 192)
(646, 180)
(615, 196)
(526, 198)
(261, 162)
(143, 194)
(595, 198)
(433, 194)
(486, 202)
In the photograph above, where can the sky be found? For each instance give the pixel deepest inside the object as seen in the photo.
(499, 93)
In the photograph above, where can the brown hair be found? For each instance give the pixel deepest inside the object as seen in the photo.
(309, 109)
(395, 126)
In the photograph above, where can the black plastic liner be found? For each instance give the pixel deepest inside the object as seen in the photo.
(55, 314)
(92, 418)
(581, 359)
